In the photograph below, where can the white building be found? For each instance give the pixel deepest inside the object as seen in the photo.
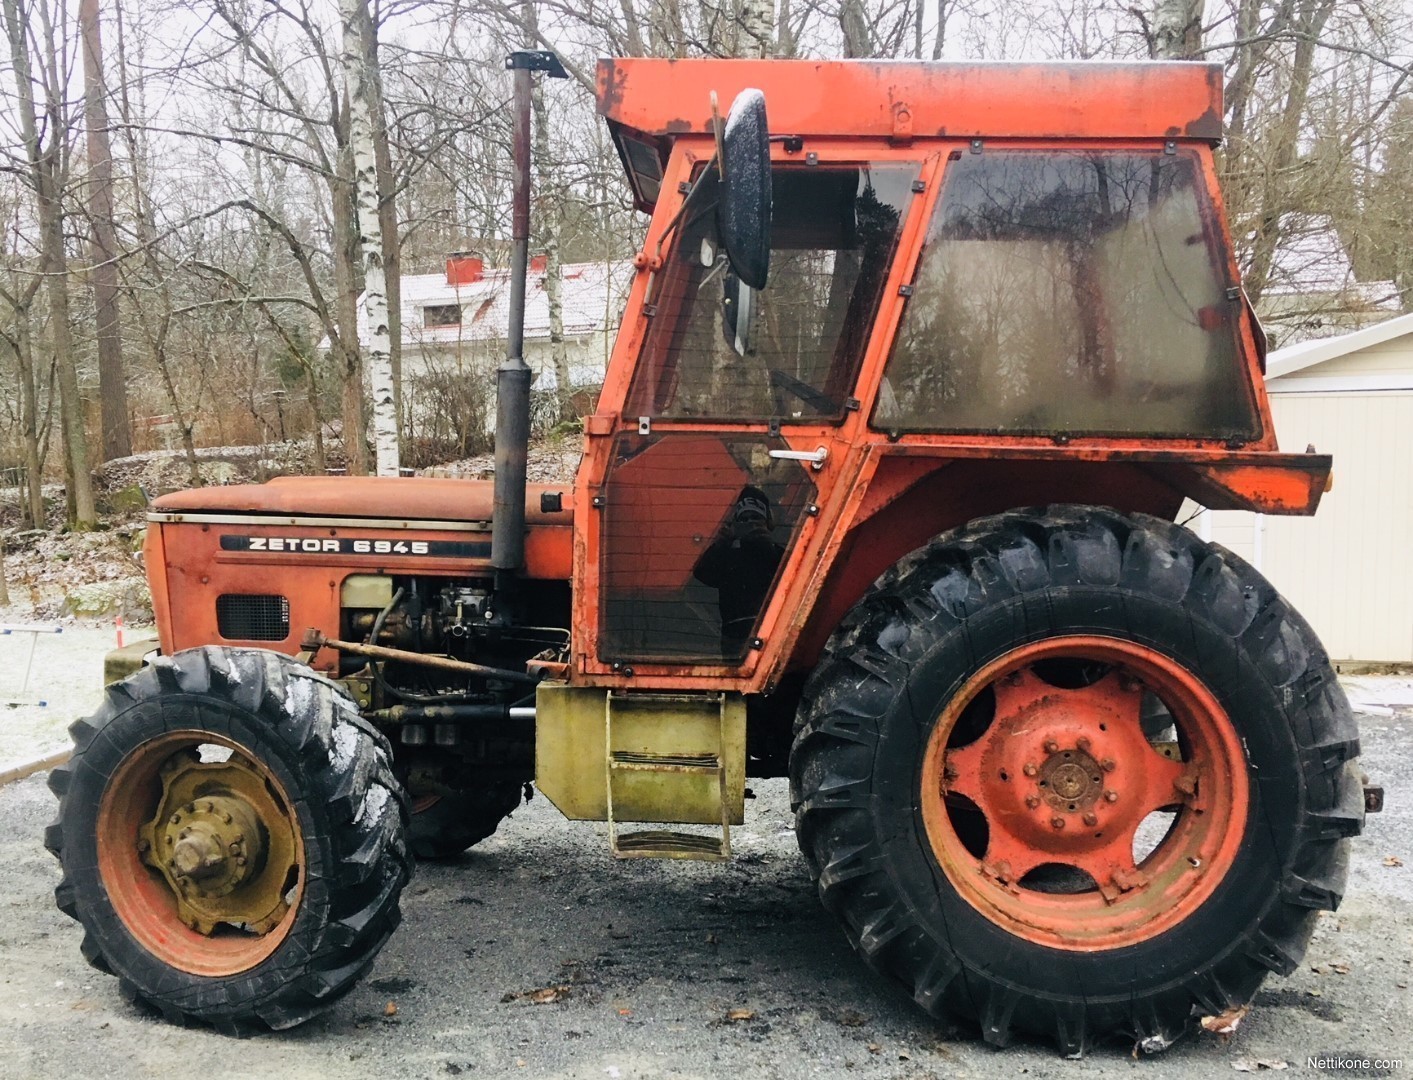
(454, 329)
(1349, 569)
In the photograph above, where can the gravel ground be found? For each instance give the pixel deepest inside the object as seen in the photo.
(654, 957)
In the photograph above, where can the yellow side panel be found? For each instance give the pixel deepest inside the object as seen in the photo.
(571, 753)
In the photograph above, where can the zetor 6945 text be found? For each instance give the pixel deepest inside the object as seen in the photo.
(879, 494)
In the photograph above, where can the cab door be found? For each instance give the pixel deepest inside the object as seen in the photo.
(725, 420)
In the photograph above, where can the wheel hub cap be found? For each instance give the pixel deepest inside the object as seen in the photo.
(220, 841)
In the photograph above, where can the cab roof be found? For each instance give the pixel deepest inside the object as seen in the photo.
(902, 100)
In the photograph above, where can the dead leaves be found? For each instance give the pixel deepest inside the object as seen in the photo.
(1392, 860)
(1225, 1023)
(735, 1016)
(544, 995)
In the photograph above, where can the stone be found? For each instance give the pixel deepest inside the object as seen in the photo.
(128, 597)
(128, 500)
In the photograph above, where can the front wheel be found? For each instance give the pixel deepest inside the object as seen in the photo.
(232, 839)
(1074, 774)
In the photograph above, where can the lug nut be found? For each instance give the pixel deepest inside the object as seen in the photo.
(190, 808)
(1051, 746)
(1129, 683)
(1030, 769)
(143, 845)
(235, 849)
(175, 819)
(240, 860)
(1091, 818)
(1111, 796)
(1032, 801)
(1057, 822)
(1082, 742)
(1107, 764)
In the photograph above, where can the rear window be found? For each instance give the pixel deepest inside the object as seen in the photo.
(1076, 293)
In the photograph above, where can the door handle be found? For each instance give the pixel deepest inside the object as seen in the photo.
(816, 458)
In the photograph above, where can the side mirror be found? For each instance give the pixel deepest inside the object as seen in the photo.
(738, 313)
(743, 207)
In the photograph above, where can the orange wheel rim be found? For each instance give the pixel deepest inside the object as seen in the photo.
(148, 899)
(1058, 819)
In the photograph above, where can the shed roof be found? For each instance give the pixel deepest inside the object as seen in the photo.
(1307, 354)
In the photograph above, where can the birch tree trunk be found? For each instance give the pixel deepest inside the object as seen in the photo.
(1176, 30)
(757, 28)
(112, 380)
(359, 78)
(387, 209)
(551, 220)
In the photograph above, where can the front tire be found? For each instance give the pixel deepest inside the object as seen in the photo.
(232, 839)
(975, 791)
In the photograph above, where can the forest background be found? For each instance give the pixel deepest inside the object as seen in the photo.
(193, 193)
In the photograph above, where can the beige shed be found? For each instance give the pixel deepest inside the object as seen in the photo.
(1349, 569)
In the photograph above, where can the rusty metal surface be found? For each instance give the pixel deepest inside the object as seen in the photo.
(903, 100)
(382, 497)
(314, 640)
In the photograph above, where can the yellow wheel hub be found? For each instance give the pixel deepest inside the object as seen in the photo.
(223, 842)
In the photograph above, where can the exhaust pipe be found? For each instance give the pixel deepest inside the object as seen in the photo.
(513, 377)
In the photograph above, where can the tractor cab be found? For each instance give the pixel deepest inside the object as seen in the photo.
(906, 278)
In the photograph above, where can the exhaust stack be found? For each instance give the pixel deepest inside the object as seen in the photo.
(513, 377)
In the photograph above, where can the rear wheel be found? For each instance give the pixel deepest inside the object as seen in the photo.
(1074, 774)
(448, 820)
(231, 836)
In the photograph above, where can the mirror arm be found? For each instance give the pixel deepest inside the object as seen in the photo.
(667, 233)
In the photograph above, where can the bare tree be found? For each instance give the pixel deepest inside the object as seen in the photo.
(112, 378)
(38, 29)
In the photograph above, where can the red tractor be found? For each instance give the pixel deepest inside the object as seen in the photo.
(879, 494)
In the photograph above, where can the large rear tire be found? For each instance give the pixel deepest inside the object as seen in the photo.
(977, 796)
(232, 839)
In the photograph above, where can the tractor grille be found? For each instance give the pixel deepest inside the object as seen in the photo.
(252, 618)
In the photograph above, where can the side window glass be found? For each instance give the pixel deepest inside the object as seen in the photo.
(1081, 292)
(792, 350)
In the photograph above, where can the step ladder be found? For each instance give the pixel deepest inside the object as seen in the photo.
(628, 763)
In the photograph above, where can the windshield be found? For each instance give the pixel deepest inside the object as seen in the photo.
(717, 350)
